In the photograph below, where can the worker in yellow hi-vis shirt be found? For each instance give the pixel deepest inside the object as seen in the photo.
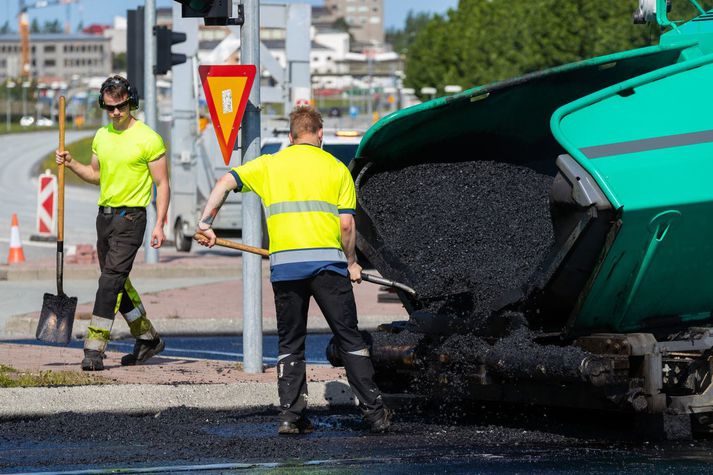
(127, 158)
(310, 204)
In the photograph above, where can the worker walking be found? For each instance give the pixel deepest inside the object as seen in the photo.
(310, 204)
(127, 157)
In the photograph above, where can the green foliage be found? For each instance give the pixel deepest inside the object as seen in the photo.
(34, 26)
(5, 29)
(483, 41)
(52, 27)
(81, 151)
(12, 378)
(118, 62)
(401, 40)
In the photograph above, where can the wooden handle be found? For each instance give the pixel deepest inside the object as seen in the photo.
(60, 175)
(234, 245)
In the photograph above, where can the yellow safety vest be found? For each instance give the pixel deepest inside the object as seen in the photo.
(304, 190)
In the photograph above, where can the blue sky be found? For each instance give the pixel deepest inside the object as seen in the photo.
(104, 11)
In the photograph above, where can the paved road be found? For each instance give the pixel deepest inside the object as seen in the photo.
(18, 180)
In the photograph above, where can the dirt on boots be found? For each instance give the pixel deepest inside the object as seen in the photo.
(93, 360)
(143, 350)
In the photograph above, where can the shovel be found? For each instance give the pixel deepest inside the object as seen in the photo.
(264, 252)
(57, 316)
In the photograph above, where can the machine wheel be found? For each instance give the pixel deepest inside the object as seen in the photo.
(183, 243)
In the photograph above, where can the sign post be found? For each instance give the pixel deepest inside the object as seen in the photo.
(227, 88)
(46, 207)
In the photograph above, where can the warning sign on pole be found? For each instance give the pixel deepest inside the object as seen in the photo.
(46, 205)
(227, 88)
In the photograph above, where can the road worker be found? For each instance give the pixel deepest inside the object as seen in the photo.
(127, 157)
(310, 203)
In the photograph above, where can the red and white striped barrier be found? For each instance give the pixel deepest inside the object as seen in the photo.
(47, 205)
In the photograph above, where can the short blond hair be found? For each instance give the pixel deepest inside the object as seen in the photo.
(304, 120)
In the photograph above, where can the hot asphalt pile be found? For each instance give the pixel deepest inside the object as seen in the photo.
(478, 229)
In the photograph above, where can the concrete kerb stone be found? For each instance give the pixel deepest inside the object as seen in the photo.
(24, 326)
(153, 398)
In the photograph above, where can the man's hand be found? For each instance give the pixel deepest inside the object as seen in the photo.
(355, 272)
(157, 236)
(63, 157)
(206, 238)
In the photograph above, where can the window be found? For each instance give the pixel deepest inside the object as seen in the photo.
(49, 63)
(49, 49)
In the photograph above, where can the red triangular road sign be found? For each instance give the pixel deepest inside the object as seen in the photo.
(227, 88)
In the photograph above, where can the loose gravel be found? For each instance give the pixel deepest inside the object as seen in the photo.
(478, 229)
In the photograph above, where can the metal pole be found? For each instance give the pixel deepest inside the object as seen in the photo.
(252, 214)
(150, 254)
(7, 114)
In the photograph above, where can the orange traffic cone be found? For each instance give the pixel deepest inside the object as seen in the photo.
(16, 254)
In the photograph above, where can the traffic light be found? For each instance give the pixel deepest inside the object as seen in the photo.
(165, 58)
(213, 12)
(135, 49)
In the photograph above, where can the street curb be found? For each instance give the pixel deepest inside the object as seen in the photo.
(8, 273)
(24, 326)
(151, 398)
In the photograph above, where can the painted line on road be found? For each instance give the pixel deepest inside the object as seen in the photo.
(267, 359)
(219, 466)
(33, 243)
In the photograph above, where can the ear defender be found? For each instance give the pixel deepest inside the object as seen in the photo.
(119, 81)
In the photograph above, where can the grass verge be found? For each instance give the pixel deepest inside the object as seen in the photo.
(12, 378)
(81, 151)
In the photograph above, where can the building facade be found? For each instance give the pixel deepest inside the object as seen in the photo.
(364, 17)
(57, 56)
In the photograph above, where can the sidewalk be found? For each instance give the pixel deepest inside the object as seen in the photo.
(206, 309)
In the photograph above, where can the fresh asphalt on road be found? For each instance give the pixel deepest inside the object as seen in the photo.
(218, 348)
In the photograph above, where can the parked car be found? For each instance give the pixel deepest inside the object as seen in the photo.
(44, 122)
(27, 120)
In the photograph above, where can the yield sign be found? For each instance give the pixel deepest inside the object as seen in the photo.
(227, 88)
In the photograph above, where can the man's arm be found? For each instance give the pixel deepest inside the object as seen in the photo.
(217, 197)
(159, 173)
(348, 230)
(88, 173)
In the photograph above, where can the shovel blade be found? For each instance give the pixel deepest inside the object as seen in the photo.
(56, 318)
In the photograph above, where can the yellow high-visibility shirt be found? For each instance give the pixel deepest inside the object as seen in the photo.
(124, 156)
(304, 190)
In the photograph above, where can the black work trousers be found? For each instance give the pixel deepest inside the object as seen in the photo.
(335, 297)
(120, 233)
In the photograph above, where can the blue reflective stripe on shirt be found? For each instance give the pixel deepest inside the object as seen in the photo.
(347, 211)
(305, 270)
(237, 180)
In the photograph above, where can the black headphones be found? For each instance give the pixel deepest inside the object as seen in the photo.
(118, 81)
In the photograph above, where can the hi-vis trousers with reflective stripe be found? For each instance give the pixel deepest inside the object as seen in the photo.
(335, 297)
(120, 233)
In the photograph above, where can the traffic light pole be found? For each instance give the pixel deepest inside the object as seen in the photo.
(150, 254)
(252, 213)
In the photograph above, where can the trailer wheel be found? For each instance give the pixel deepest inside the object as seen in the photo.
(183, 243)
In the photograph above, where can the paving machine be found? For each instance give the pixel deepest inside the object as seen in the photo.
(615, 312)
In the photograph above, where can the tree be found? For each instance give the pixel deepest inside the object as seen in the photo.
(52, 27)
(401, 40)
(5, 29)
(483, 41)
(118, 62)
(34, 26)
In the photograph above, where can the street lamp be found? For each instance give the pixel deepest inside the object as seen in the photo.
(25, 86)
(10, 85)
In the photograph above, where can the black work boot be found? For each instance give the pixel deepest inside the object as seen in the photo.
(143, 350)
(93, 360)
(302, 426)
(379, 420)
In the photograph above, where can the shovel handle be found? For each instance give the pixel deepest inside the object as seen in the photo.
(235, 245)
(60, 174)
(388, 283)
